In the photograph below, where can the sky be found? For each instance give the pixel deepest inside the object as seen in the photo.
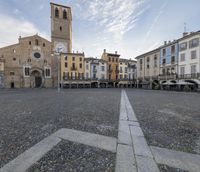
(130, 27)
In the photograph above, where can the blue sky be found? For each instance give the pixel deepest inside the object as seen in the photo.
(130, 27)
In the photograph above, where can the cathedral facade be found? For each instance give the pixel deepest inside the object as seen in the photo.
(33, 61)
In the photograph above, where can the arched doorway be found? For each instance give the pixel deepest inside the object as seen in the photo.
(36, 79)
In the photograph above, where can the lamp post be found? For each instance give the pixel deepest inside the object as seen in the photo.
(58, 54)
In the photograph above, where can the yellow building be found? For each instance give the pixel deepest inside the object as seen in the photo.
(72, 67)
(113, 67)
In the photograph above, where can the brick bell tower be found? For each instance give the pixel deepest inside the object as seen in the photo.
(61, 28)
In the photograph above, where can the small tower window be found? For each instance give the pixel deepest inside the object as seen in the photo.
(43, 44)
(36, 42)
(56, 12)
(64, 14)
(29, 42)
(60, 28)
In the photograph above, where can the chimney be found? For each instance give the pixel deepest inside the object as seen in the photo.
(169, 42)
(115, 52)
(185, 34)
(165, 42)
(77, 52)
(104, 50)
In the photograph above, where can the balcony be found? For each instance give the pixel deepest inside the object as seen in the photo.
(190, 76)
(167, 77)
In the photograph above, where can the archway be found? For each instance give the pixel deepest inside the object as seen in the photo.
(36, 79)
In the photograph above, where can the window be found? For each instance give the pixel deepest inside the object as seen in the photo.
(14, 59)
(47, 72)
(116, 60)
(86, 75)
(66, 64)
(120, 76)
(80, 65)
(140, 61)
(113, 59)
(56, 13)
(109, 76)
(102, 68)
(173, 49)
(14, 51)
(183, 46)
(80, 59)
(125, 69)
(148, 59)
(36, 42)
(102, 76)
(182, 57)
(194, 43)
(29, 42)
(147, 66)
(73, 66)
(173, 59)
(87, 67)
(121, 70)
(26, 71)
(73, 58)
(29, 60)
(12, 73)
(109, 59)
(64, 14)
(125, 76)
(193, 69)
(65, 58)
(163, 71)
(164, 52)
(182, 70)
(155, 61)
(116, 77)
(193, 54)
(109, 67)
(44, 45)
(164, 61)
(37, 55)
(60, 28)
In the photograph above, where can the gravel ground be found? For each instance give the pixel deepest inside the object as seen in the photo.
(169, 119)
(28, 116)
(68, 157)
(164, 168)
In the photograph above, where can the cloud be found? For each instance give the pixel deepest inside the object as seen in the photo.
(113, 16)
(12, 28)
(156, 19)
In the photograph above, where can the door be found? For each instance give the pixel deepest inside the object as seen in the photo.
(38, 81)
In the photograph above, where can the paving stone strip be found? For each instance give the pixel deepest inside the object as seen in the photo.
(182, 160)
(35, 153)
(133, 152)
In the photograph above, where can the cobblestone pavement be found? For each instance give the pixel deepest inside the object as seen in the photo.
(28, 116)
(66, 157)
(168, 119)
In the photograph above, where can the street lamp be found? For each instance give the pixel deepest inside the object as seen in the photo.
(58, 54)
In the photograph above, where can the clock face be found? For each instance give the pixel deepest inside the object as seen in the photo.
(60, 47)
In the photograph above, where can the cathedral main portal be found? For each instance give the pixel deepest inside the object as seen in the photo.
(36, 79)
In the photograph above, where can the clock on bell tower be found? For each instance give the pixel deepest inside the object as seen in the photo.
(61, 28)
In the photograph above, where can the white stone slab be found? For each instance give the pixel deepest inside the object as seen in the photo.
(31, 156)
(124, 136)
(176, 159)
(125, 161)
(136, 131)
(95, 140)
(123, 114)
(146, 164)
(141, 147)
